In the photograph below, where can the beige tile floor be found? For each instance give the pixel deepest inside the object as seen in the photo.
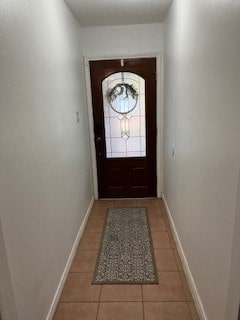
(171, 299)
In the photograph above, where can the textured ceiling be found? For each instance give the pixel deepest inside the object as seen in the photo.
(118, 12)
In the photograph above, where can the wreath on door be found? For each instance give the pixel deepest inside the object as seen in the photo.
(123, 98)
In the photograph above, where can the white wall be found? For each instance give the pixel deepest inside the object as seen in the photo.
(102, 42)
(233, 298)
(202, 118)
(8, 308)
(45, 176)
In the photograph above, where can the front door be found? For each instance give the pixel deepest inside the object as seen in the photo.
(124, 112)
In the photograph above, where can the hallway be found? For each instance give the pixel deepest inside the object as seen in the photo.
(176, 138)
(170, 300)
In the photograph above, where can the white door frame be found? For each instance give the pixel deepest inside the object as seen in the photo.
(159, 119)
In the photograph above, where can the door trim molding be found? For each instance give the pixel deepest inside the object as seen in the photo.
(159, 107)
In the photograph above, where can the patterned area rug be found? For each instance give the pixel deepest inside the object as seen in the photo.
(126, 252)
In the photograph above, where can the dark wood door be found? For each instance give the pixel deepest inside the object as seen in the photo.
(124, 111)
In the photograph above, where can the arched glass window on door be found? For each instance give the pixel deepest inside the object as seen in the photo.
(124, 115)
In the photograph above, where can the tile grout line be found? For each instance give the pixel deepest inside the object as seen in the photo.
(143, 303)
(175, 259)
(77, 302)
(169, 231)
(85, 272)
(190, 310)
(178, 269)
(123, 301)
(99, 301)
(80, 249)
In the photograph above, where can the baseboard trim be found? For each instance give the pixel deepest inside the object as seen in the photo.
(68, 264)
(186, 267)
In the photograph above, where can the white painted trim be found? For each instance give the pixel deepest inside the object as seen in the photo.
(68, 264)
(159, 124)
(125, 56)
(159, 119)
(186, 267)
(91, 127)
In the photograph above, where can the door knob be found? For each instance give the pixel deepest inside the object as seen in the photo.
(98, 139)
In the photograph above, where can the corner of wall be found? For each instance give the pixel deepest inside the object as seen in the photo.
(68, 264)
(8, 308)
(186, 266)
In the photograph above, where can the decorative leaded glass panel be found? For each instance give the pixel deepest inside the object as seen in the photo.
(124, 115)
